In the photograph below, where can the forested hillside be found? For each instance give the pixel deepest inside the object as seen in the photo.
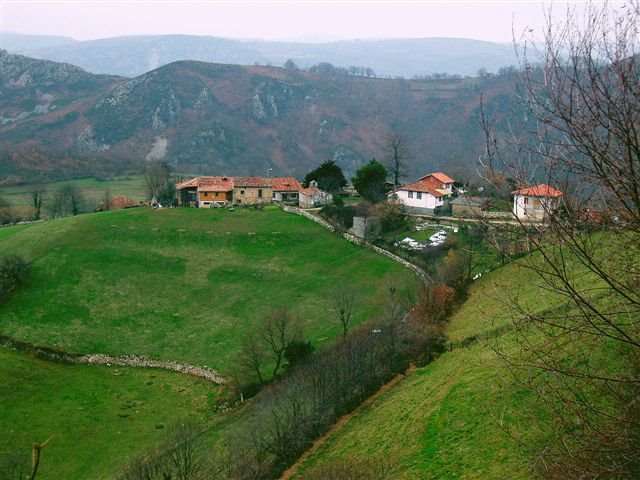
(223, 119)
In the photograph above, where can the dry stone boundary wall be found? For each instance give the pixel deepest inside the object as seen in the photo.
(99, 359)
(358, 241)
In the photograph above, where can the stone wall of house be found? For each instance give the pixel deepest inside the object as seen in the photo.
(365, 227)
(251, 195)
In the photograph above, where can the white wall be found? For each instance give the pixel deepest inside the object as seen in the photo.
(427, 200)
(536, 208)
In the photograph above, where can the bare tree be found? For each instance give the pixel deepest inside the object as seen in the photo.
(397, 157)
(277, 335)
(182, 456)
(343, 302)
(36, 201)
(585, 101)
(159, 182)
(252, 356)
(185, 451)
(106, 200)
(68, 200)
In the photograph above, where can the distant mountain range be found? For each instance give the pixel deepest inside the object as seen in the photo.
(59, 121)
(133, 56)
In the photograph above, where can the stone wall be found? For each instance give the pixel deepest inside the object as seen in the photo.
(497, 215)
(353, 239)
(250, 195)
(60, 356)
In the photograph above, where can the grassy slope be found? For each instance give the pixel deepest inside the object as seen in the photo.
(451, 418)
(182, 284)
(99, 415)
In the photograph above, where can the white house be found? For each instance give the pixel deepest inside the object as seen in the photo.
(426, 195)
(314, 197)
(440, 181)
(535, 203)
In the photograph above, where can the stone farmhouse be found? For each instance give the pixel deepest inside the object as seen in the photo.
(208, 192)
(427, 195)
(535, 203)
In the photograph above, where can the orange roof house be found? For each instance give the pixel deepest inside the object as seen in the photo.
(539, 191)
(535, 203)
(427, 194)
(221, 191)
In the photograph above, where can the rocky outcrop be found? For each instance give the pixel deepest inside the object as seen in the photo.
(86, 142)
(257, 108)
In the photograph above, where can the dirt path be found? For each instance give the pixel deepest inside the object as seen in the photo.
(342, 421)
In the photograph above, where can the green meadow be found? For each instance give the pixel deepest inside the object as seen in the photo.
(93, 190)
(184, 284)
(452, 418)
(97, 416)
(175, 284)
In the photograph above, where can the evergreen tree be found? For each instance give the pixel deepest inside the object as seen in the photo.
(329, 177)
(370, 181)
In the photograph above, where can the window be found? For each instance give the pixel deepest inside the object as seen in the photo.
(526, 200)
(419, 195)
(410, 194)
(259, 193)
(206, 194)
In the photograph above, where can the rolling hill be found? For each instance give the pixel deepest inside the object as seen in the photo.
(183, 284)
(485, 409)
(135, 55)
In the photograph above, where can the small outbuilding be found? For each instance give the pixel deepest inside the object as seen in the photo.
(314, 197)
(465, 206)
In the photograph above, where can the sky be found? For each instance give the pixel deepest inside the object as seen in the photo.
(301, 20)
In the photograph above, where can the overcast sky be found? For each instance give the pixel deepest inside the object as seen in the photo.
(269, 19)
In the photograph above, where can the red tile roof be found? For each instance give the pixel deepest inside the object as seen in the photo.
(226, 184)
(251, 182)
(208, 184)
(424, 186)
(439, 176)
(286, 184)
(187, 183)
(215, 184)
(542, 190)
(309, 192)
